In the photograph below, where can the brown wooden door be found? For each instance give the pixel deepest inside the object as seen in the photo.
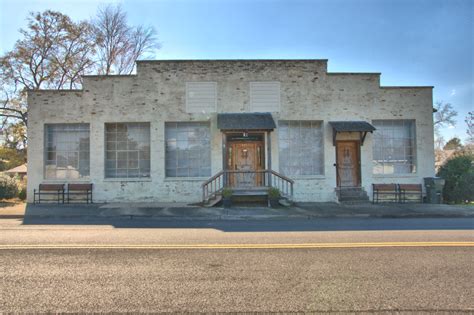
(347, 154)
(245, 156)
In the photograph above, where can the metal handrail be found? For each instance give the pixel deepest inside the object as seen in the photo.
(269, 178)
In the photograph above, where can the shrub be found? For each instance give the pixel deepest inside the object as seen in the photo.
(459, 175)
(274, 193)
(22, 193)
(227, 193)
(8, 187)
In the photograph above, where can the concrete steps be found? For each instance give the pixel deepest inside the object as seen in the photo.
(352, 195)
(213, 201)
(255, 196)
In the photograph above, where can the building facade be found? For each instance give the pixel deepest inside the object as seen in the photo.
(160, 134)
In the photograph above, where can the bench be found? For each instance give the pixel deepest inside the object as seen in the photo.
(389, 192)
(410, 190)
(81, 190)
(49, 190)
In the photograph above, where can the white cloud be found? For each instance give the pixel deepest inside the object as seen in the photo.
(453, 92)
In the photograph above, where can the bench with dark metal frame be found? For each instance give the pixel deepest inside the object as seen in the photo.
(49, 190)
(79, 190)
(410, 190)
(390, 190)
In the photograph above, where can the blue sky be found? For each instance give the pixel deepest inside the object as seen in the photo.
(412, 42)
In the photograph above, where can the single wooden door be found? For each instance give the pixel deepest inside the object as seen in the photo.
(245, 156)
(348, 160)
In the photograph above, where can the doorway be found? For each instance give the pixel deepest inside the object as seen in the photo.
(348, 163)
(245, 160)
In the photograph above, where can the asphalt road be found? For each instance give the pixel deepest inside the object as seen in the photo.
(94, 279)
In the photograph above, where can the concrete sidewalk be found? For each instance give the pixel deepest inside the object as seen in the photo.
(163, 211)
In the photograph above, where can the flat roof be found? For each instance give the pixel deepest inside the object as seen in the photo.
(354, 73)
(409, 87)
(227, 60)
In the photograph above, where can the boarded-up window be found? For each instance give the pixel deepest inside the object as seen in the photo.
(188, 149)
(264, 96)
(67, 151)
(393, 146)
(201, 97)
(301, 147)
(127, 152)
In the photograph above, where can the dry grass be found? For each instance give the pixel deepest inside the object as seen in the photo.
(13, 206)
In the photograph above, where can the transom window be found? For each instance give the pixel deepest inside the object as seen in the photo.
(188, 149)
(394, 150)
(301, 147)
(67, 151)
(127, 152)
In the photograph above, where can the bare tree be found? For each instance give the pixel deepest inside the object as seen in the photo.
(120, 45)
(470, 127)
(444, 115)
(12, 104)
(53, 53)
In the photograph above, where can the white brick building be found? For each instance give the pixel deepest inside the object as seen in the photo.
(160, 134)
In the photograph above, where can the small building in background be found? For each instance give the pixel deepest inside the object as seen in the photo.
(18, 172)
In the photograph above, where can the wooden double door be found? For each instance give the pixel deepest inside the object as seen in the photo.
(348, 163)
(244, 160)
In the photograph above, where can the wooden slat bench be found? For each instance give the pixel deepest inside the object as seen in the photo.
(410, 190)
(81, 190)
(389, 192)
(49, 190)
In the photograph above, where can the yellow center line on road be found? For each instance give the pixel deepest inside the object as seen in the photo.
(238, 246)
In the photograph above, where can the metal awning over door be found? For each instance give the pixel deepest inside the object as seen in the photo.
(245, 121)
(351, 126)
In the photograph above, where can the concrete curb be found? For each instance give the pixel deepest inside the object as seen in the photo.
(231, 217)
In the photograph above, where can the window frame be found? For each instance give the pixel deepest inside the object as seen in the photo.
(322, 149)
(165, 150)
(414, 152)
(127, 178)
(46, 151)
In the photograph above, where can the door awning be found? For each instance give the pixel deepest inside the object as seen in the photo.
(245, 121)
(351, 126)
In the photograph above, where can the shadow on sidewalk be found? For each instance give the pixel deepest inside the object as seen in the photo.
(309, 217)
(290, 225)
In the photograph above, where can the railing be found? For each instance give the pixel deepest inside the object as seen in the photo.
(240, 179)
(282, 183)
(212, 186)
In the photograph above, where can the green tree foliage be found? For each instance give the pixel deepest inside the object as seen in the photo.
(459, 175)
(453, 144)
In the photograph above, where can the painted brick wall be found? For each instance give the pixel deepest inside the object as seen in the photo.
(157, 94)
